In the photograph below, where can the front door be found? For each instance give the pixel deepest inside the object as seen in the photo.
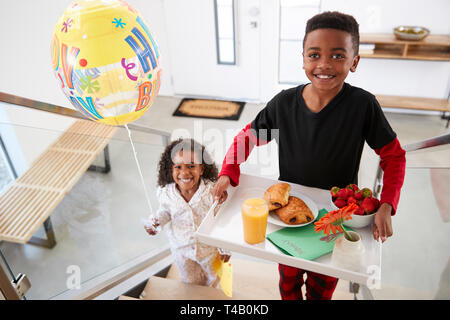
(192, 40)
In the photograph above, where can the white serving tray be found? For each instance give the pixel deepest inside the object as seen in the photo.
(224, 230)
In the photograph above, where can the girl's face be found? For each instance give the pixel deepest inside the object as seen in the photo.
(187, 170)
(328, 56)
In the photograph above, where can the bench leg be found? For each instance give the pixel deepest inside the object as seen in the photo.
(50, 241)
(445, 117)
(107, 166)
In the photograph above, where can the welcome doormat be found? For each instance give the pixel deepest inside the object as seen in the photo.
(209, 109)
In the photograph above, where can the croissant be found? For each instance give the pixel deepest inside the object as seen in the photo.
(296, 212)
(279, 195)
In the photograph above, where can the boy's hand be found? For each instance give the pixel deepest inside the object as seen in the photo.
(383, 223)
(152, 228)
(219, 191)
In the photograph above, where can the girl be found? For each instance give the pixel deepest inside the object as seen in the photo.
(185, 179)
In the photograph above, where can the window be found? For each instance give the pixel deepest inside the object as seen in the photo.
(225, 35)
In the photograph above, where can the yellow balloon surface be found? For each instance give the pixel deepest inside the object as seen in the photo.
(106, 60)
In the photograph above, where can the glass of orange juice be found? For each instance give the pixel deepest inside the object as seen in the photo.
(254, 218)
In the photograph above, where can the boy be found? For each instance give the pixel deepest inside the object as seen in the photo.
(322, 129)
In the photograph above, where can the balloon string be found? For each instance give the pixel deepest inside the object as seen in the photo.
(139, 169)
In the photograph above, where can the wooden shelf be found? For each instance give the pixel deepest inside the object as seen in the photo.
(432, 48)
(415, 103)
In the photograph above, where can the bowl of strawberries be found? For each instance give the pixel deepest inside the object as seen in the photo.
(367, 204)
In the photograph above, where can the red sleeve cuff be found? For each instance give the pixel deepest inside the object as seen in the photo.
(240, 149)
(232, 171)
(393, 164)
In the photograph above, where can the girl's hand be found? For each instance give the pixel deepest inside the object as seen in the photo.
(219, 191)
(383, 223)
(152, 228)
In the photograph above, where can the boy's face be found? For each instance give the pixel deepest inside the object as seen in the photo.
(328, 56)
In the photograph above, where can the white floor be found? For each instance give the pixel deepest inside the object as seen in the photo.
(98, 224)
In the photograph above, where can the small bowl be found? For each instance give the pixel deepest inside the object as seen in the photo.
(360, 221)
(357, 221)
(413, 33)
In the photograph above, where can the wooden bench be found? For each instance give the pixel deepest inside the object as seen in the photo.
(30, 200)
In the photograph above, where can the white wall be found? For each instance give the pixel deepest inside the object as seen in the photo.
(399, 77)
(379, 76)
(381, 16)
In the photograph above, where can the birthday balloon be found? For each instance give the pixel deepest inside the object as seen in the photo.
(106, 60)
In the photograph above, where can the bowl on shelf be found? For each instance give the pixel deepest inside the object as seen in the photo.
(357, 221)
(413, 33)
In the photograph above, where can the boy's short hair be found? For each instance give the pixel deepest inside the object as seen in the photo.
(335, 20)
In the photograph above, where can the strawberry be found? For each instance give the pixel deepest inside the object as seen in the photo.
(359, 212)
(353, 187)
(334, 191)
(342, 193)
(367, 205)
(358, 195)
(350, 192)
(376, 203)
(366, 193)
(352, 200)
(340, 203)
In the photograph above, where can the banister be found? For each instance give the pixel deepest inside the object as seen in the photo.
(48, 107)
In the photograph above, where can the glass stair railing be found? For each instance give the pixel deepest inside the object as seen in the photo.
(416, 261)
(100, 238)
